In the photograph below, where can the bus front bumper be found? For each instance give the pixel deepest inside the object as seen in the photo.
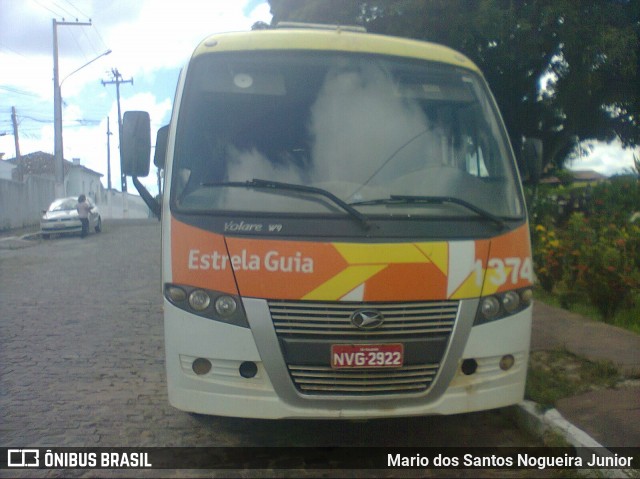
(223, 391)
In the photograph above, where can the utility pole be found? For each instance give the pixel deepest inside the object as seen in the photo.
(109, 192)
(57, 108)
(14, 120)
(117, 79)
(108, 155)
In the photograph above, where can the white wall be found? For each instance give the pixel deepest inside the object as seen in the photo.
(21, 203)
(118, 205)
(79, 180)
(5, 170)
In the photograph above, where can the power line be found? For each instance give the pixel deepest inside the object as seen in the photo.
(95, 5)
(83, 14)
(31, 136)
(63, 9)
(75, 39)
(17, 91)
(77, 9)
(91, 44)
(84, 51)
(86, 121)
(100, 37)
(26, 131)
(57, 14)
(14, 52)
(39, 120)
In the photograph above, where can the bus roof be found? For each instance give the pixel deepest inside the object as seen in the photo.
(332, 40)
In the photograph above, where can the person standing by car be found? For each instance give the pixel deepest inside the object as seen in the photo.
(83, 208)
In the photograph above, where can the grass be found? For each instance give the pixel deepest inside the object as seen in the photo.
(554, 375)
(626, 318)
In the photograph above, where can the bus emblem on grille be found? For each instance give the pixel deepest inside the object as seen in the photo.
(367, 319)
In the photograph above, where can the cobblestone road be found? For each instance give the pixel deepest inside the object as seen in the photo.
(81, 361)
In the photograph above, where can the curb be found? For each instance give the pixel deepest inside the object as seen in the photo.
(19, 242)
(540, 422)
(531, 418)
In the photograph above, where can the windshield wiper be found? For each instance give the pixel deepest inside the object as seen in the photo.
(389, 159)
(276, 185)
(433, 200)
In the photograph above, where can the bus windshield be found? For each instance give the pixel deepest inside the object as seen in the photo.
(367, 129)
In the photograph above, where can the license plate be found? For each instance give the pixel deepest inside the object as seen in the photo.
(358, 356)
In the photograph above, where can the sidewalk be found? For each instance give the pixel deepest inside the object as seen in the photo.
(609, 416)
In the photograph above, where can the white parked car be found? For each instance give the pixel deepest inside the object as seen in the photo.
(62, 217)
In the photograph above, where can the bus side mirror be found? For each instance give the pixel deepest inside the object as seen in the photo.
(531, 165)
(135, 150)
(161, 147)
(135, 144)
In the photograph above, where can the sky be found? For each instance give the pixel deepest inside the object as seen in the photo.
(150, 41)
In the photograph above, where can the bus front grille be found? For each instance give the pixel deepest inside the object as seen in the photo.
(326, 380)
(334, 319)
(307, 330)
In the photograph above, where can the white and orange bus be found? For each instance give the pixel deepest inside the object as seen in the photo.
(344, 233)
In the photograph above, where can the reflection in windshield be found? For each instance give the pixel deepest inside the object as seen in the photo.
(64, 205)
(361, 127)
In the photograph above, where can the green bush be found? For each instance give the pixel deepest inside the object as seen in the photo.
(547, 257)
(605, 267)
(615, 201)
(595, 254)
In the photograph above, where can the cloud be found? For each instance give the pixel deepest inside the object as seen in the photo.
(144, 35)
(150, 40)
(606, 158)
(166, 36)
(24, 28)
(90, 143)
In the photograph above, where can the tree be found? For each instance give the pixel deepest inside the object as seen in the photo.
(560, 69)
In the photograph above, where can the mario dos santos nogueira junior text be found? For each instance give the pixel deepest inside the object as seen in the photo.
(515, 461)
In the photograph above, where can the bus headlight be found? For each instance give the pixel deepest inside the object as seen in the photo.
(175, 294)
(489, 307)
(503, 305)
(526, 296)
(510, 301)
(226, 306)
(207, 303)
(199, 300)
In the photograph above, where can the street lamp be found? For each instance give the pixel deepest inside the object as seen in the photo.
(57, 108)
(57, 123)
(86, 64)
